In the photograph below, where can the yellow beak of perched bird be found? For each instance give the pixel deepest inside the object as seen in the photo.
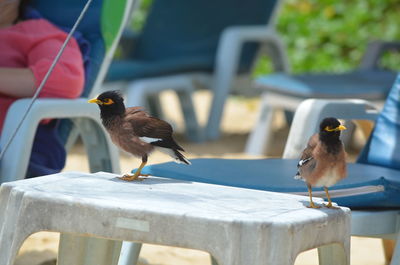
(135, 131)
(323, 161)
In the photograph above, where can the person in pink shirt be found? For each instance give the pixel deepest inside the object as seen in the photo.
(27, 49)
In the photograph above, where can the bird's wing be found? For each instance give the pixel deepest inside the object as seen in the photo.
(307, 153)
(150, 129)
(145, 125)
(307, 161)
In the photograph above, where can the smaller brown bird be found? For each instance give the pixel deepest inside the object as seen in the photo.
(323, 161)
(135, 131)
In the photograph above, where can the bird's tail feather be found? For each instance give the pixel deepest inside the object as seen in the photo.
(180, 158)
(175, 154)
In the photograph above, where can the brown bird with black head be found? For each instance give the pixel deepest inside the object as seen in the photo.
(135, 131)
(323, 161)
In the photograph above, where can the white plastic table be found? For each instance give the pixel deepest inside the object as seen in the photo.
(236, 226)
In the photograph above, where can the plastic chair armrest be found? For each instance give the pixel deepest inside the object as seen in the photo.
(54, 108)
(374, 52)
(19, 149)
(310, 113)
(233, 39)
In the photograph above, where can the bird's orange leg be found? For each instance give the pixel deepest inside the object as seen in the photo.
(329, 205)
(312, 204)
(135, 176)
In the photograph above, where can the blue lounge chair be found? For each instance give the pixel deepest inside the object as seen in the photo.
(185, 45)
(373, 183)
(284, 91)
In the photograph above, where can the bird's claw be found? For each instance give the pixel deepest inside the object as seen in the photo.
(313, 206)
(331, 206)
(134, 177)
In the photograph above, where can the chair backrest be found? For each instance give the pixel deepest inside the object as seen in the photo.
(181, 28)
(383, 147)
(101, 27)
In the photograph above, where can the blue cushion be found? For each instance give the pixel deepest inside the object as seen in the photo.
(182, 36)
(367, 186)
(383, 148)
(366, 84)
(135, 69)
(186, 28)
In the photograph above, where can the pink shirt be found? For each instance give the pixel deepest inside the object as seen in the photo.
(34, 44)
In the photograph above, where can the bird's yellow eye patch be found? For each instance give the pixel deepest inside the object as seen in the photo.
(339, 128)
(329, 129)
(108, 101)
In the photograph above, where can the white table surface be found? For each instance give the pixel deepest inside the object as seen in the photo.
(237, 226)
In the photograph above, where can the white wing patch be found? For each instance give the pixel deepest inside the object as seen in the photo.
(149, 139)
(303, 161)
(299, 165)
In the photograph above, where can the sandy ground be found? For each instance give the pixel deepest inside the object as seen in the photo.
(240, 115)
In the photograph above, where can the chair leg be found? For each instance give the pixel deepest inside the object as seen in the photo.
(11, 239)
(129, 253)
(193, 131)
(15, 226)
(80, 250)
(388, 248)
(333, 254)
(102, 155)
(220, 89)
(259, 140)
(154, 105)
(213, 260)
(215, 115)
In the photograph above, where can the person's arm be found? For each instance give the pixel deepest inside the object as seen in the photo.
(17, 82)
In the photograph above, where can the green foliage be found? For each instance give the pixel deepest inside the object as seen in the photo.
(330, 35)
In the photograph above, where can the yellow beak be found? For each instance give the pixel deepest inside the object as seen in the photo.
(341, 128)
(95, 100)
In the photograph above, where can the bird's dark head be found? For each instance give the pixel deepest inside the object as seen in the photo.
(111, 103)
(330, 128)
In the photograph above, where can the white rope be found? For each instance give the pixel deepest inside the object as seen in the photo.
(39, 89)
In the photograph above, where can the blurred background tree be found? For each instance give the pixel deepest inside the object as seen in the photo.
(327, 35)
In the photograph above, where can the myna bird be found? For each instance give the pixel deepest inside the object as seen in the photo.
(135, 131)
(323, 161)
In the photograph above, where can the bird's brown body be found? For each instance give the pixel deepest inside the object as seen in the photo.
(327, 166)
(323, 161)
(135, 131)
(125, 131)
